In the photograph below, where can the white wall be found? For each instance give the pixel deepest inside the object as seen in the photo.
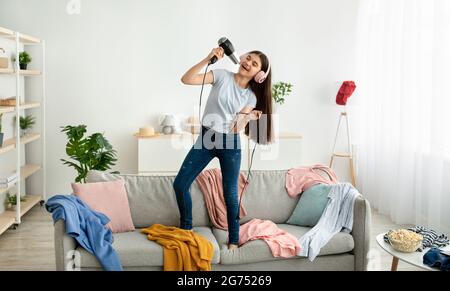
(117, 65)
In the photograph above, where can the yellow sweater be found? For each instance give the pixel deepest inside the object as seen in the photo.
(184, 250)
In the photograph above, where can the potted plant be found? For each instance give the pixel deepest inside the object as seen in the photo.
(281, 90)
(26, 123)
(11, 200)
(24, 60)
(1, 132)
(93, 152)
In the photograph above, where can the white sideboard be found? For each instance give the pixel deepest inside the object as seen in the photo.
(164, 154)
(284, 153)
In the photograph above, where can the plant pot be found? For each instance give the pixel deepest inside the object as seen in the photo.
(1, 139)
(275, 108)
(23, 66)
(24, 132)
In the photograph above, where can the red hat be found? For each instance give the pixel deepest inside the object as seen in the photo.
(345, 92)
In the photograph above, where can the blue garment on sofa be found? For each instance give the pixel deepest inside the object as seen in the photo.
(87, 227)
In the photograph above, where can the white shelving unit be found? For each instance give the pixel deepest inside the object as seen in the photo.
(31, 161)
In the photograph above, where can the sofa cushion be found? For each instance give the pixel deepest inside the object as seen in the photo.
(266, 198)
(109, 198)
(311, 205)
(135, 250)
(152, 199)
(258, 250)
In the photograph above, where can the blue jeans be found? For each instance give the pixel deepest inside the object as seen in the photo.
(211, 144)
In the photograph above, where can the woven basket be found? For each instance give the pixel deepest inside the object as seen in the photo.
(3, 63)
(409, 242)
(8, 102)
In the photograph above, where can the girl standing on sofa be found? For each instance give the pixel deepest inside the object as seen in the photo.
(236, 100)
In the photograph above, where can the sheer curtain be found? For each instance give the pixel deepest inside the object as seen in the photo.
(402, 117)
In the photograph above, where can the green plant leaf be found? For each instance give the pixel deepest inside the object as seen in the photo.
(24, 58)
(12, 199)
(281, 90)
(93, 152)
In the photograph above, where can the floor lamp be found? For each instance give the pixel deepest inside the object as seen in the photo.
(346, 90)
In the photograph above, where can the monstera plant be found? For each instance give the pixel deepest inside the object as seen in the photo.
(92, 152)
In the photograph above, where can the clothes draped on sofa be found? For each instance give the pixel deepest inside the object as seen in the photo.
(87, 227)
(337, 217)
(281, 243)
(210, 183)
(184, 250)
(300, 179)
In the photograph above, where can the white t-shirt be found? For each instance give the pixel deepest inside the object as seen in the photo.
(225, 100)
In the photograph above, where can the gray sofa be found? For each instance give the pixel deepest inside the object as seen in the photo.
(152, 200)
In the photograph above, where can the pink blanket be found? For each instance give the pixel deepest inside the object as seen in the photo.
(300, 179)
(210, 183)
(281, 243)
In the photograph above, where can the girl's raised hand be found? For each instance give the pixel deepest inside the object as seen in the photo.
(218, 52)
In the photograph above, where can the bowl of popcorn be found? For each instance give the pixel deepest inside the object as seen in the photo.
(404, 240)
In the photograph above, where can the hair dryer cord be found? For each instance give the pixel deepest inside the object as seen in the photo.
(201, 93)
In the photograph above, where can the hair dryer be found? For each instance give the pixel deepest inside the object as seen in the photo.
(228, 49)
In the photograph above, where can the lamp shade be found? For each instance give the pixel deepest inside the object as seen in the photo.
(345, 91)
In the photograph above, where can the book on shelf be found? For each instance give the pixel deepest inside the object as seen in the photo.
(9, 184)
(7, 177)
(11, 101)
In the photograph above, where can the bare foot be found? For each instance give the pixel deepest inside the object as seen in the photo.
(232, 246)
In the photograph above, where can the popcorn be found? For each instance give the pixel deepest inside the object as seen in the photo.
(404, 240)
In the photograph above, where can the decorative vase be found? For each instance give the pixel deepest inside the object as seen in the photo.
(169, 124)
(23, 66)
(168, 129)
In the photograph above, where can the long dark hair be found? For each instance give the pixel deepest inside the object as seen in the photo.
(260, 131)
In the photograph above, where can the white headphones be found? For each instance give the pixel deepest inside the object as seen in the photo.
(261, 76)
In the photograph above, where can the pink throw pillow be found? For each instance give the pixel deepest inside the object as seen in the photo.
(109, 198)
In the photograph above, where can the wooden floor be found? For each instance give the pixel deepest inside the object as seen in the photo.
(30, 247)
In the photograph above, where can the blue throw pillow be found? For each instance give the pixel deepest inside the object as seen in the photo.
(310, 206)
